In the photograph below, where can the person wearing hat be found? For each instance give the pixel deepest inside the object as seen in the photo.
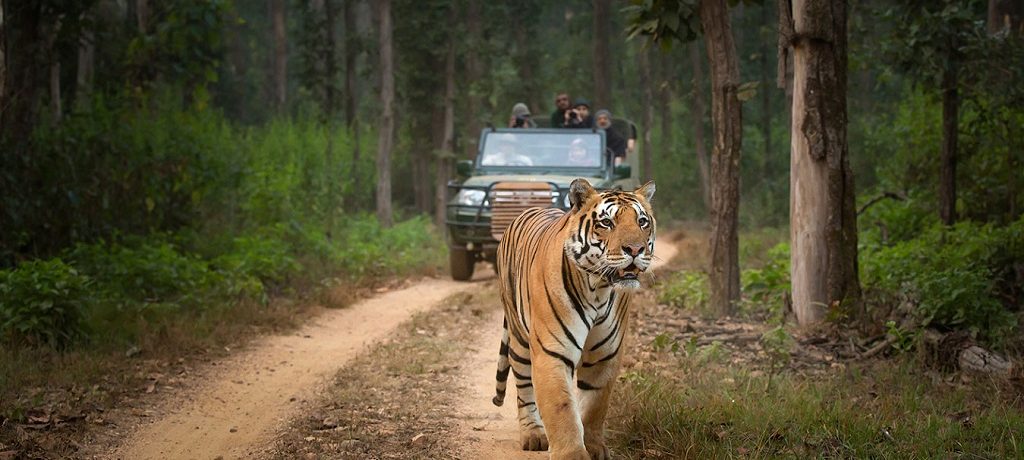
(579, 115)
(616, 143)
(521, 117)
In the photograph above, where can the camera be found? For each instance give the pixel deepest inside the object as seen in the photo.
(573, 114)
(520, 121)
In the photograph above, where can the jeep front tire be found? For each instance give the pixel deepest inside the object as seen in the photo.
(460, 263)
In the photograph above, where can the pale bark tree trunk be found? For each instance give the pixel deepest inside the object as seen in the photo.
(447, 147)
(699, 108)
(766, 101)
(823, 226)
(142, 15)
(474, 73)
(950, 123)
(86, 68)
(725, 161)
(330, 108)
(644, 56)
(351, 93)
(387, 116)
(602, 66)
(279, 66)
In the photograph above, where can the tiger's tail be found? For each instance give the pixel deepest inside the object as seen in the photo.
(503, 367)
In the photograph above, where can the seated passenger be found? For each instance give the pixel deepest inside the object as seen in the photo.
(521, 117)
(616, 143)
(580, 155)
(504, 152)
(579, 115)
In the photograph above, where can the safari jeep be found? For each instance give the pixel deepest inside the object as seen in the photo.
(517, 169)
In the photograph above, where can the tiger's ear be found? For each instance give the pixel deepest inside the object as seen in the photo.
(646, 191)
(579, 192)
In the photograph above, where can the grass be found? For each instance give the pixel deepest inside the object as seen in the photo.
(883, 410)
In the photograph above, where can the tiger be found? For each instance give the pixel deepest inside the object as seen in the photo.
(565, 279)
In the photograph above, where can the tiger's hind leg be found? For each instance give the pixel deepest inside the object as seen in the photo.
(531, 429)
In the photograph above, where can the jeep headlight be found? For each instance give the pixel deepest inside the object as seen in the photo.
(470, 197)
(565, 202)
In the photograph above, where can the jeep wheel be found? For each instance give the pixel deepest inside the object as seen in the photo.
(460, 263)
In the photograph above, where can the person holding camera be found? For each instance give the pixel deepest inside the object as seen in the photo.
(521, 117)
(579, 115)
(561, 106)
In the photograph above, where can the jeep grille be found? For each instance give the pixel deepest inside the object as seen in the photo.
(509, 199)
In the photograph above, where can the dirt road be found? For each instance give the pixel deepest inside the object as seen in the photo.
(493, 432)
(241, 403)
(246, 403)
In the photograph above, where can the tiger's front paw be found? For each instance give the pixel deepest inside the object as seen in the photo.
(598, 451)
(533, 439)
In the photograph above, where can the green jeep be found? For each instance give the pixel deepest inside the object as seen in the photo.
(517, 169)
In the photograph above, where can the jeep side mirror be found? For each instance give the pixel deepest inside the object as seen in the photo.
(464, 168)
(623, 171)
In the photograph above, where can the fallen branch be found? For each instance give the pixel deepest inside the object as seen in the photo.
(880, 347)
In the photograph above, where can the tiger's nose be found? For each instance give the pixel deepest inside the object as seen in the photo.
(633, 249)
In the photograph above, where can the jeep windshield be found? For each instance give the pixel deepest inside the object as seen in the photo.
(542, 149)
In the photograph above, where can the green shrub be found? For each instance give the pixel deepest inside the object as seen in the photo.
(766, 288)
(265, 256)
(956, 276)
(685, 289)
(41, 302)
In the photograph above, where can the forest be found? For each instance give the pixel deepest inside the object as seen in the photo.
(180, 175)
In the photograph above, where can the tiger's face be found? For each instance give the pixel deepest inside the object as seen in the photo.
(613, 233)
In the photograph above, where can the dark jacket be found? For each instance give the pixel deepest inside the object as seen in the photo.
(558, 118)
(616, 143)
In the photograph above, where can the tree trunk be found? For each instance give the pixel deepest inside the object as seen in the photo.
(279, 70)
(699, 108)
(142, 16)
(725, 161)
(3, 59)
(86, 68)
(351, 93)
(602, 66)
(24, 64)
(646, 83)
(823, 222)
(474, 73)
(333, 189)
(53, 55)
(447, 147)
(950, 122)
(386, 126)
(766, 102)
(666, 76)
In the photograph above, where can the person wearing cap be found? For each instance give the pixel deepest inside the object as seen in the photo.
(580, 156)
(616, 143)
(561, 106)
(521, 117)
(579, 115)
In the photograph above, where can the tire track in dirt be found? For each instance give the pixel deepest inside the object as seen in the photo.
(238, 407)
(491, 432)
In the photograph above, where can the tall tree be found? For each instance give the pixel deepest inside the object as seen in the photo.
(726, 116)
(474, 75)
(697, 115)
(678, 20)
(86, 70)
(446, 149)
(823, 226)
(601, 56)
(647, 92)
(279, 58)
(352, 49)
(386, 126)
(53, 56)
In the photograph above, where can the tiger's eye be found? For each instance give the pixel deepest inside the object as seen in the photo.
(606, 223)
(642, 221)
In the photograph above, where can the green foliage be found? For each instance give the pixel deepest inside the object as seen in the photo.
(956, 277)
(767, 288)
(685, 289)
(664, 342)
(664, 21)
(41, 303)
